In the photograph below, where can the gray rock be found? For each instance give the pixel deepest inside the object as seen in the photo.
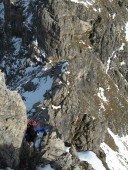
(90, 39)
(12, 125)
(54, 149)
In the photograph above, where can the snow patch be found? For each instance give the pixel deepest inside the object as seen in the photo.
(35, 42)
(97, 9)
(64, 67)
(117, 160)
(68, 83)
(87, 3)
(101, 94)
(43, 108)
(89, 47)
(113, 56)
(67, 72)
(39, 52)
(56, 107)
(66, 149)
(29, 70)
(28, 20)
(46, 167)
(121, 47)
(28, 15)
(122, 63)
(102, 107)
(17, 44)
(113, 16)
(120, 144)
(1, 11)
(32, 97)
(113, 159)
(108, 64)
(92, 159)
(81, 42)
(108, 88)
(25, 4)
(60, 82)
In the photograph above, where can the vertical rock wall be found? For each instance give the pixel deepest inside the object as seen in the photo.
(12, 125)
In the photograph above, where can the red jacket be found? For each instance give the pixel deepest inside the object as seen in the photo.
(33, 122)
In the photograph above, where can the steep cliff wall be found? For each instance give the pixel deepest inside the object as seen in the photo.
(12, 125)
(91, 36)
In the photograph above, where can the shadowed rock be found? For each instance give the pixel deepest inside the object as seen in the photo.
(12, 125)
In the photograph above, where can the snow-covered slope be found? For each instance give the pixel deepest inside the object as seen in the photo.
(117, 160)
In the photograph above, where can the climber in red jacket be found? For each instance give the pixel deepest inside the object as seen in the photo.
(33, 122)
(35, 133)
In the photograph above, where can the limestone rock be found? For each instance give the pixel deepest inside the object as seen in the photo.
(54, 149)
(12, 125)
(79, 107)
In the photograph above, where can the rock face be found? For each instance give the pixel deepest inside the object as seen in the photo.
(76, 51)
(12, 125)
(89, 42)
